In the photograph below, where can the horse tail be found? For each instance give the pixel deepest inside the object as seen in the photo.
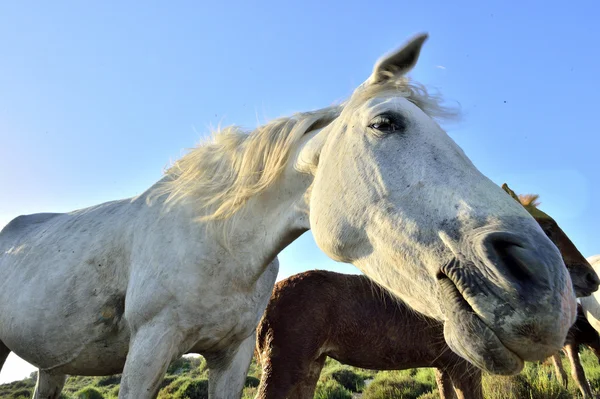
(264, 336)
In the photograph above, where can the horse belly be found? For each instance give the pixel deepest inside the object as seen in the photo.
(88, 344)
(62, 298)
(104, 356)
(382, 358)
(51, 322)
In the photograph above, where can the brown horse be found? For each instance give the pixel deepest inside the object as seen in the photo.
(317, 314)
(582, 333)
(585, 279)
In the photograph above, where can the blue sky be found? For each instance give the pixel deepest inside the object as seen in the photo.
(96, 99)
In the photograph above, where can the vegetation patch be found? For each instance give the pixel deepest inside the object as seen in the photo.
(331, 389)
(395, 385)
(346, 376)
(187, 378)
(89, 393)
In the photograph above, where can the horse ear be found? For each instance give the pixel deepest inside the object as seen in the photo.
(400, 61)
(511, 192)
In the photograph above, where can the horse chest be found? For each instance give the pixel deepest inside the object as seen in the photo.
(232, 314)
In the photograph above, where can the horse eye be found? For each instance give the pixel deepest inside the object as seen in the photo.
(385, 124)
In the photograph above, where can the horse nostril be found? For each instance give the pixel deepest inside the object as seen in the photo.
(592, 279)
(512, 257)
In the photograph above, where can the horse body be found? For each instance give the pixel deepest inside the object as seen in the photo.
(316, 314)
(88, 277)
(185, 266)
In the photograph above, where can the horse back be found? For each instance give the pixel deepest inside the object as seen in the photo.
(20, 226)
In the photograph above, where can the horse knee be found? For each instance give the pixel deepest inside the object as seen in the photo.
(228, 369)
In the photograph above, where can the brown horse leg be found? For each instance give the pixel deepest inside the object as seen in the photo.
(279, 378)
(305, 388)
(577, 370)
(4, 352)
(595, 347)
(560, 371)
(444, 383)
(466, 380)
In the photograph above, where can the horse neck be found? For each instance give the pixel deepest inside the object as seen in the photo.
(268, 222)
(272, 220)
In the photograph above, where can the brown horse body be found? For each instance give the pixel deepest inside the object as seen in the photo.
(317, 314)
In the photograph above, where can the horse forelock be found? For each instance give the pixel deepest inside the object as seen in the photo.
(430, 102)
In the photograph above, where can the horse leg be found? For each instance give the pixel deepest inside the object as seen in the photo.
(595, 347)
(560, 371)
(227, 370)
(151, 349)
(49, 385)
(466, 380)
(305, 388)
(278, 377)
(577, 370)
(444, 384)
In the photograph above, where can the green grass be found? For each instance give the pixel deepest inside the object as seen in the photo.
(187, 378)
(398, 385)
(89, 393)
(331, 389)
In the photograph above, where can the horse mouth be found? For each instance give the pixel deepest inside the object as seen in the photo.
(583, 292)
(470, 337)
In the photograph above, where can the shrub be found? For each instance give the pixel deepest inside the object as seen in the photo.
(592, 369)
(168, 391)
(249, 393)
(179, 366)
(22, 393)
(113, 392)
(167, 381)
(347, 377)
(252, 382)
(395, 385)
(435, 394)
(331, 389)
(536, 381)
(109, 380)
(89, 393)
(192, 389)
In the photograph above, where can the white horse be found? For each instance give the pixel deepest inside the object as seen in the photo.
(187, 266)
(591, 304)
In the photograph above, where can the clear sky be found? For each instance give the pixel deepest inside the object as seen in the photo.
(96, 99)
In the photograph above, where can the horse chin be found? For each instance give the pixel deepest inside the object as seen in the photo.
(468, 336)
